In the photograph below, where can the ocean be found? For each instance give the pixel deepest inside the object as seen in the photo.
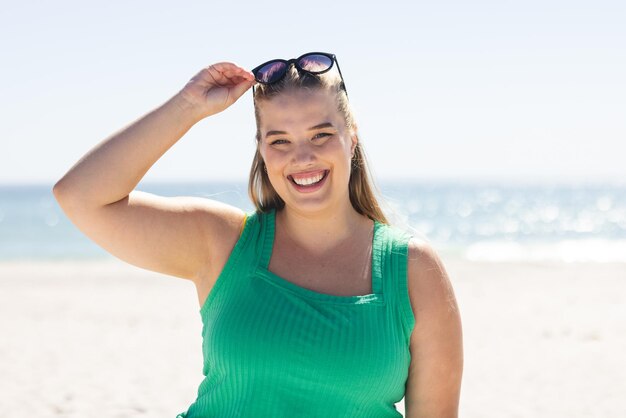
(492, 223)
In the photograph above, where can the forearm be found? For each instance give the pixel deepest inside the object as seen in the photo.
(114, 167)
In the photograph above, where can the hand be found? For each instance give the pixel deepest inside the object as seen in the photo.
(216, 87)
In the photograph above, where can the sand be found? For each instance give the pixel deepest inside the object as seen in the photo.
(107, 339)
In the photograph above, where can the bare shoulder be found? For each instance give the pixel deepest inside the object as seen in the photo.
(434, 383)
(221, 225)
(428, 280)
(214, 215)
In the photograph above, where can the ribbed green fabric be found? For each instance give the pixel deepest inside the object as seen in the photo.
(275, 349)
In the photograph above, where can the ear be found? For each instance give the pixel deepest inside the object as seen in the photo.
(355, 140)
(259, 150)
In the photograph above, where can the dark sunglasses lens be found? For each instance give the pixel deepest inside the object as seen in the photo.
(271, 72)
(315, 63)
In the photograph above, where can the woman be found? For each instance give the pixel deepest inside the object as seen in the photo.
(312, 305)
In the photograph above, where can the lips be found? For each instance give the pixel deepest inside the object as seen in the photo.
(308, 180)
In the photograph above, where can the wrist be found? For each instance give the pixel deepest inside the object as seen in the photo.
(186, 110)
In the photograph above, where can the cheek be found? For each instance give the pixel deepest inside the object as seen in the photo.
(275, 163)
(273, 159)
(266, 153)
(343, 152)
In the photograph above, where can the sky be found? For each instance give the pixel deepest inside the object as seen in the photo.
(507, 91)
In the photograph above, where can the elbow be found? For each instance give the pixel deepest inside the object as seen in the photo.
(65, 196)
(60, 195)
(59, 190)
(56, 190)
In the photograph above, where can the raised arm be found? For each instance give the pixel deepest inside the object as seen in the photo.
(171, 235)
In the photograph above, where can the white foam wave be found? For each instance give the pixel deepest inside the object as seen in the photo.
(581, 250)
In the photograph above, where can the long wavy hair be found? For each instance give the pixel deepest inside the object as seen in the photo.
(361, 188)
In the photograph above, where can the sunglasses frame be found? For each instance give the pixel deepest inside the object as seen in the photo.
(295, 62)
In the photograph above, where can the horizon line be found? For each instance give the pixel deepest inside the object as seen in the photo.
(493, 182)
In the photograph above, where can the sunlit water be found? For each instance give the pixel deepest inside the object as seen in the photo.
(476, 222)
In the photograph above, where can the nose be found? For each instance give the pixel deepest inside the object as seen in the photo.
(304, 154)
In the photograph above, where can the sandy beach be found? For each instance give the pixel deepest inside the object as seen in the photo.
(107, 339)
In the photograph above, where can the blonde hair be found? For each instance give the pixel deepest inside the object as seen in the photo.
(360, 185)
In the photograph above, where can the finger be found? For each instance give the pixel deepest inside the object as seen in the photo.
(230, 69)
(238, 90)
(224, 76)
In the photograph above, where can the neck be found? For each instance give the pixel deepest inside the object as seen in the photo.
(320, 231)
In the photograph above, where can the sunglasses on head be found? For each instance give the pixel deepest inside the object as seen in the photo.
(312, 62)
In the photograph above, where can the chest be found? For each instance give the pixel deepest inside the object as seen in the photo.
(283, 339)
(345, 271)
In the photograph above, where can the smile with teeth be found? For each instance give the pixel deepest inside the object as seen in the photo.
(307, 181)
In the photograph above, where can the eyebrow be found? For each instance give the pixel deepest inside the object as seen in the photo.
(312, 128)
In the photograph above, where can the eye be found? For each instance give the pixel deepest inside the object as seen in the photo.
(324, 134)
(279, 142)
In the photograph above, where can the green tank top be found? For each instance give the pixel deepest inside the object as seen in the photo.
(272, 348)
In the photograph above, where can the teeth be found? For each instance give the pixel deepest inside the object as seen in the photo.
(308, 180)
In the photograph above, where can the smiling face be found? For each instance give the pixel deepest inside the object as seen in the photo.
(307, 150)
